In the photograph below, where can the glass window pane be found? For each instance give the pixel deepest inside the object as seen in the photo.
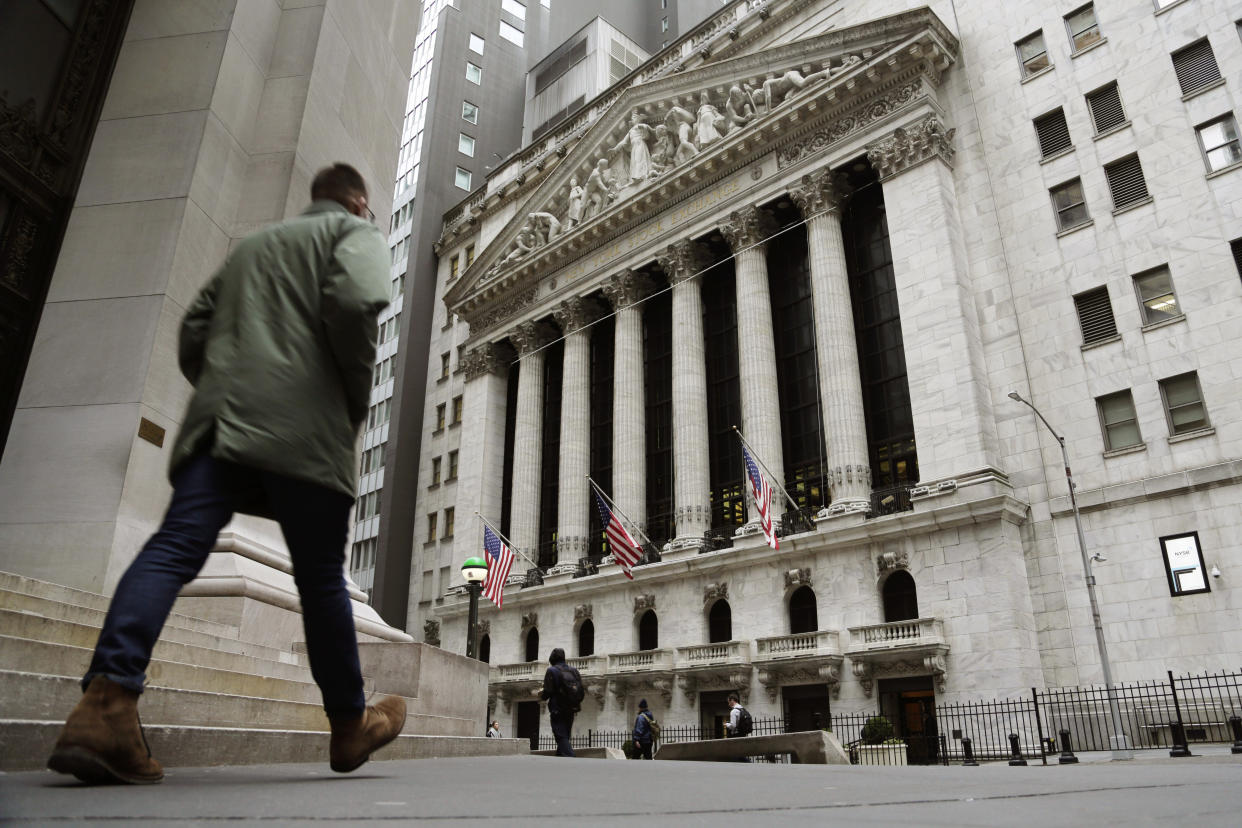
(1067, 195)
(476, 43)
(511, 33)
(1218, 159)
(1156, 295)
(473, 73)
(465, 144)
(1123, 436)
(1181, 390)
(514, 8)
(469, 112)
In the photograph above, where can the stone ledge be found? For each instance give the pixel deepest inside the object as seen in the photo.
(1151, 488)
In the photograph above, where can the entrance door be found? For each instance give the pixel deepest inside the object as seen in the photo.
(528, 722)
(713, 713)
(806, 707)
(911, 706)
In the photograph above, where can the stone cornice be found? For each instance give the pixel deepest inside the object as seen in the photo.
(911, 145)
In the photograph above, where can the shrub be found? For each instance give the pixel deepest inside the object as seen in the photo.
(876, 731)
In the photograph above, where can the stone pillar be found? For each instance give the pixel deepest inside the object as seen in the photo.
(746, 232)
(840, 387)
(529, 339)
(480, 488)
(683, 262)
(573, 517)
(629, 400)
(954, 427)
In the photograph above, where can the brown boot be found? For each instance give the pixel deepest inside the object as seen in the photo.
(102, 741)
(355, 739)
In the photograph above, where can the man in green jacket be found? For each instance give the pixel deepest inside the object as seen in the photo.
(279, 347)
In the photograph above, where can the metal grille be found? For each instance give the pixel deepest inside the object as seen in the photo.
(1236, 247)
(1095, 315)
(1106, 110)
(1053, 133)
(1196, 66)
(1125, 180)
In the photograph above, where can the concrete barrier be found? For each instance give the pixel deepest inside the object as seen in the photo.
(811, 747)
(586, 753)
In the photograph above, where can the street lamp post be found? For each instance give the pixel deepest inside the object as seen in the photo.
(474, 570)
(1117, 742)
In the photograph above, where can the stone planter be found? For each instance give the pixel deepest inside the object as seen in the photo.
(882, 754)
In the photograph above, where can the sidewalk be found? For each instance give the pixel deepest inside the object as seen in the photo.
(1203, 791)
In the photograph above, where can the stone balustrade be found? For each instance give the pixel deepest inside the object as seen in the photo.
(724, 652)
(642, 661)
(798, 645)
(913, 633)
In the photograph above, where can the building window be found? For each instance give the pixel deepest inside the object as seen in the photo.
(511, 33)
(1126, 182)
(1083, 28)
(450, 515)
(1095, 315)
(724, 400)
(803, 615)
(435, 471)
(664, 24)
(432, 520)
(1196, 66)
(465, 144)
(1183, 563)
(1118, 421)
(444, 365)
(514, 8)
(452, 465)
(1053, 133)
(469, 255)
(440, 417)
(1107, 113)
(648, 631)
(1183, 403)
(469, 112)
(462, 179)
(476, 44)
(1219, 141)
(457, 410)
(720, 622)
(1157, 301)
(1235, 247)
(532, 644)
(453, 267)
(473, 73)
(1033, 54)
(1071, 207)
(901, 600)
(586, 639)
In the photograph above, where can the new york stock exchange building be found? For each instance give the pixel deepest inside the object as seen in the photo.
(851, 230)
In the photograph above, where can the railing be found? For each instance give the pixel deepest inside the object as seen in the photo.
(592, 665)
(517, 672)
(890, 501)
(822, 642)
(724, 652)
(643, 660)
(898, 634)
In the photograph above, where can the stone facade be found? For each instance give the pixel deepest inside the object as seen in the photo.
(932, 103)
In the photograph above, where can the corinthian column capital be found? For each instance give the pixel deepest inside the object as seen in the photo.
(819, 192)
(531, 336)
(487, 358)
(626, 288)
(748, 227)
(684, 259)
(576, 313)
(911, 145)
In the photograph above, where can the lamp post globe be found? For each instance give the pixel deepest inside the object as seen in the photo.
(474, 571)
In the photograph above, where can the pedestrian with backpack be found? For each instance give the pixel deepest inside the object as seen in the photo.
(740, 722)
(563, 691)
(646, 731)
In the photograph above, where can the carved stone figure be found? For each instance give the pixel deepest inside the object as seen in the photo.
(576, 197)
(544, 226)
(640, 153)
(680, 123)
(663, 152)
(523, 244)
(739, 108)
(708, 126)
(775, 90)
(598, 192)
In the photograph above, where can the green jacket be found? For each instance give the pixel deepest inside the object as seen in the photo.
(280, 346)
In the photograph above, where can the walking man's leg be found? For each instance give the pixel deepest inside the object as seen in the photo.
(102, 740)
(562, 729)
(315, 523)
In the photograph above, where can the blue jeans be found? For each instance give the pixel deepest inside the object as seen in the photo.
(206, 493)
(561, 727)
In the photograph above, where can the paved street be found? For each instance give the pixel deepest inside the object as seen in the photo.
(1153, 790)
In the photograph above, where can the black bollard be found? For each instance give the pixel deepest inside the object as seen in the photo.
(1067, 756)
(1180, 747)
(1015, 752)
(1235, 723)
(968, 754)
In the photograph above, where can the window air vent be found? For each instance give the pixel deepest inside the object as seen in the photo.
(1125, 180)
(1095, 315)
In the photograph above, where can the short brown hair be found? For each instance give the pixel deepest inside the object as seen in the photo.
(337, 183)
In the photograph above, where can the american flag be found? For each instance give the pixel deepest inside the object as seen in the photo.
(763, 498)
(624, 548)
(499, 561)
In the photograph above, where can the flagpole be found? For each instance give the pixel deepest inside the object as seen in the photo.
(508, 542)
(771, 476)
(611, 503)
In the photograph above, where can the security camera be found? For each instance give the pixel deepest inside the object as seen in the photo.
(1215, 571)
(1098, 558)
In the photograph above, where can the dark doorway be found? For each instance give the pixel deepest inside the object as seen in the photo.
(901, 601)
(714, 712)
(803, 615)
(720, 622)
(910, 704)
(806, 707)
(648, 631)
(532, 644)
(485, 649)
(528, 722)
(586, 638)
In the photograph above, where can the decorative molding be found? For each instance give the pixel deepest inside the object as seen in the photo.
(911, 145)
(582, 612)
(529, 337)
(484, 359)
(714, 592)
(17, 247)
(576, 312)
(642, 603)
(842, 128)
(484, 627)
(683, 260)
(798, 577)
(628, 288)
(507, 309)
(749, 227)
(838, 475)
(891, 561)
(819, 192)
(530, 619)
(431, 632)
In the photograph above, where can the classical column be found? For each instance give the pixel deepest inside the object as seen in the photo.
(482, 454)
(683, 262)
(747, 232)
(573, 521)
(950, 397)
(629, 408)
(529, 339)
(840, 387)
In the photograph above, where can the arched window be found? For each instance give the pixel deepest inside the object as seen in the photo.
(648, 631)
(586, 638)
(720, 622)
(803, 616)
(485, 649)
(532, 644)
(901, 601)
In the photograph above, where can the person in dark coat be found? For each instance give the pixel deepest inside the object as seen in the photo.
(279, 347)
(560, 713)
(643, 737)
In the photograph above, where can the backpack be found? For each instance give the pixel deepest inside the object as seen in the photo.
(572, 692)
(653, 726)
(744, 722)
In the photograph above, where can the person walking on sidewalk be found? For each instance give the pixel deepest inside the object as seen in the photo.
(644, 732)
(279, 347)
(563, 691)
